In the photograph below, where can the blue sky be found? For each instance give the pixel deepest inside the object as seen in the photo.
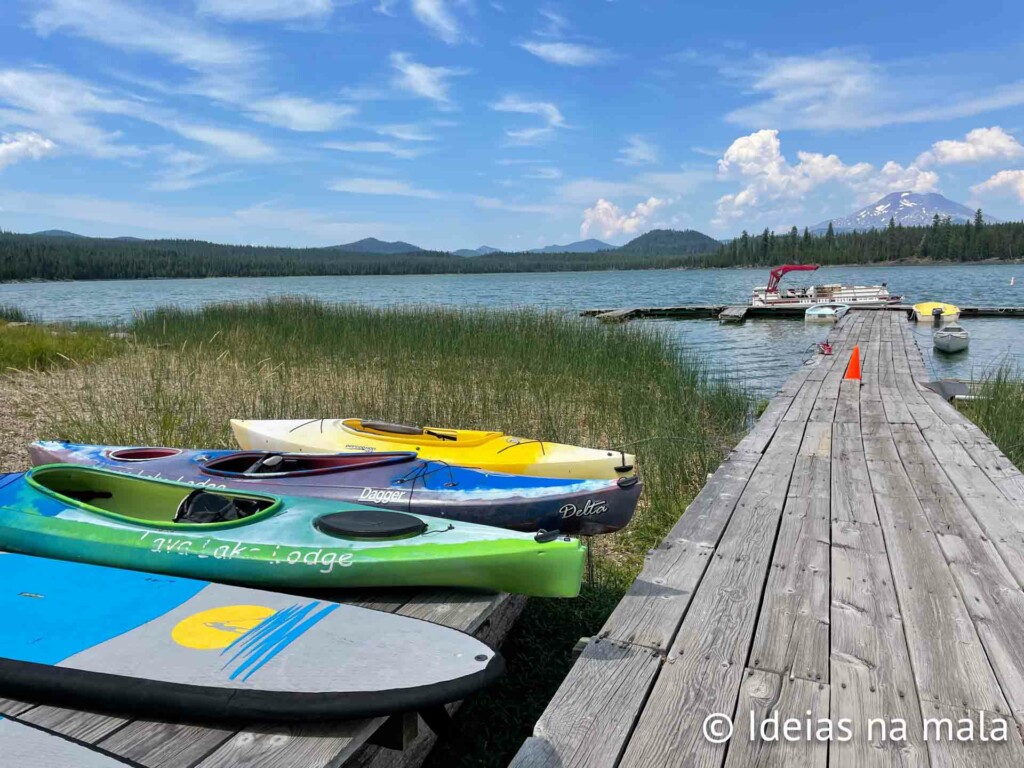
(455, 123)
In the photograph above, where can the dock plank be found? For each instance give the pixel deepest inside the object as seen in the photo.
(766, 697)
(703, 671)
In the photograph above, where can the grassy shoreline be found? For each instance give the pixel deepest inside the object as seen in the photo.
(181, 374)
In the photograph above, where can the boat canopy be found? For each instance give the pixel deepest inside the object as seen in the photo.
(778, 272)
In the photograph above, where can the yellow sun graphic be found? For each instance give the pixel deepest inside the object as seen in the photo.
(218, 628)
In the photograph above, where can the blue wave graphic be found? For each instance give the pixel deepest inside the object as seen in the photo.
(271, 636)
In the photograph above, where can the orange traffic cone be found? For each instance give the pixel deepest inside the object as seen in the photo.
(853, 369)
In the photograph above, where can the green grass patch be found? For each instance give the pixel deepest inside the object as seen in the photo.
(45, 347)
(546, 376)
(999, 411)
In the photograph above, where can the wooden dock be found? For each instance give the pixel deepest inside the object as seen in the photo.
(733, 313)
(859, 555)
(398, 742)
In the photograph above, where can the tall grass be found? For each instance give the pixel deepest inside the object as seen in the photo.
(12, 314)
(538, 375)
(44, 347)
(999, 411)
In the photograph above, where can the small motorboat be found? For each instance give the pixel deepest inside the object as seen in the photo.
(828, 312)
(772, 295)
(936, 312)
(951, 338)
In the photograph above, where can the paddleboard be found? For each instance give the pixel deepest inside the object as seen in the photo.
(89, 636)
(23, 746)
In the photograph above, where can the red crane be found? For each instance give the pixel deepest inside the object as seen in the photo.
(778, 272)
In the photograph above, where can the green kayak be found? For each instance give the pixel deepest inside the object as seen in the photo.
(110, 518)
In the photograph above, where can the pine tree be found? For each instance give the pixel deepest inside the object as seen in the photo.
(830, 236)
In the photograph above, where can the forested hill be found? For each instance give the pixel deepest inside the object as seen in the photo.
(671, 241)
(33, 257)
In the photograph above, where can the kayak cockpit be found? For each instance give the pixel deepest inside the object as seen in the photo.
(264, 463)
(142, 454)
(149, 501)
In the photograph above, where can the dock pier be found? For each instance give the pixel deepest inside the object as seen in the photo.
(738, 313)
(857, 559)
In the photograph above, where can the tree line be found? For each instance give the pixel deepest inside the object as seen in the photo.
(941, 241)
(33, 257)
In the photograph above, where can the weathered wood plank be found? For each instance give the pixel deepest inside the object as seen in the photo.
(949, 661)
(651, 611)
(314, 745)
(871, 675)
(792, 636)
(72, 723)
(765, 696)
(591, 716)
(851, 494)
(704, 667)
(156, 744)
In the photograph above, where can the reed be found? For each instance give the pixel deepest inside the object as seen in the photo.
(998, 410)
(539, 375)
(12, 314)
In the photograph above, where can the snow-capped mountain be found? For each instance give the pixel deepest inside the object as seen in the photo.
(908, 208)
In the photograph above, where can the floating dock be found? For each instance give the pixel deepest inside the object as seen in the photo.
(858, 558)
(401, 741)
(739, 312)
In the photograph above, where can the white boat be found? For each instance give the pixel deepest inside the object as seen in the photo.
(772, 295)
(827, 312)
(951, 338)
(936, 311)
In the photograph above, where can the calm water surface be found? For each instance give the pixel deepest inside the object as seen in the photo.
(760, 353)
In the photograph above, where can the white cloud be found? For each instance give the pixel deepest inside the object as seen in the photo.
(526, 137)
(544, 173)
(545, 109)
(405, 132)
(772, 182)
(364, 186)
(24, 145)
(299, 114)
(439, 19)
(265, 10)
(566, 54)
(978, 145)
(183, 170)
(131, 27)
(838, 90)
(64, 109)
(893, 177)
(386, 7)
(609, 220)
(374, 147)
(638, 151)
(1004, 182)
(421, 80)
(236, 144)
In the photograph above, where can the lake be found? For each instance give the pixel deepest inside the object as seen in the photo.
(760, 353)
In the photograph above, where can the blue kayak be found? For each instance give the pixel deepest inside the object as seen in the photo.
(398, 481)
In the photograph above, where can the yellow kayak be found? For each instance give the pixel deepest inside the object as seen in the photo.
(491, 451)
(927, 311)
